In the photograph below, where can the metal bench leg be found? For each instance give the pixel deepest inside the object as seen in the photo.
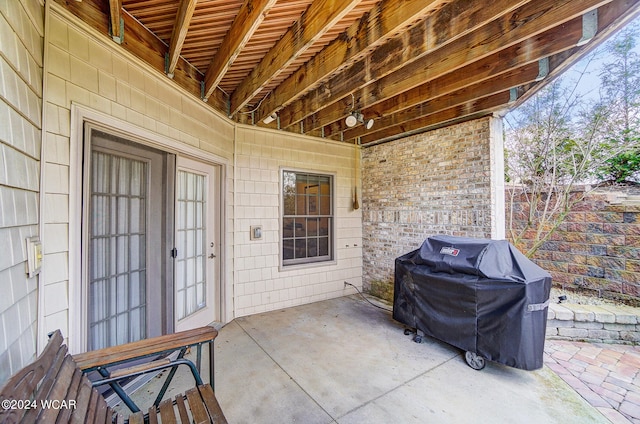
(211, 366)
(172, 373)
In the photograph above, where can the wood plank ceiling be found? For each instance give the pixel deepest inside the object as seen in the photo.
(410, 65)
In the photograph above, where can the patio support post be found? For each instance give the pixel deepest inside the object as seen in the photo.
(496, 149)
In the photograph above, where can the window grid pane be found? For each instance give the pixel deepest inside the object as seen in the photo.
(191, 240)
(307, 217)
(117, 244)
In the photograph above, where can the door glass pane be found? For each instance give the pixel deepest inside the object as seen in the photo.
(117, 246)
(191, 243)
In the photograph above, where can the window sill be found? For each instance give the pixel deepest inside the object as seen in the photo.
(296, 267)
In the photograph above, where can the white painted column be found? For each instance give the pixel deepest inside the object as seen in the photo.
(496, 140)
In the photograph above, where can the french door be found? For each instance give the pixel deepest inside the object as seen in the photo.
(196, 253)
(151, 227)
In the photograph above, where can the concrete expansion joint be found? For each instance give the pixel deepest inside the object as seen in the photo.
(594, 323)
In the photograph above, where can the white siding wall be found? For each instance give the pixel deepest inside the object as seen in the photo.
(21, 27)
(89, 69)
(260, 284)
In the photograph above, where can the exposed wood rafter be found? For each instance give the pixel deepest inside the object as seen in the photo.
(115, 17)
(486, 74)
(558, 44)
(400, 68)
(411, 65)
(315, 21)
(387, 19)
(180, 28)
(144, 44)
(244, 26)
(611, 17)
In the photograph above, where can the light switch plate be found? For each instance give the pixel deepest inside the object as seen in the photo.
(34, 256)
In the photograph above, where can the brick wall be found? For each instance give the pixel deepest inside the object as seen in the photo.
(21, 26)
(597, 248)
(439, 182)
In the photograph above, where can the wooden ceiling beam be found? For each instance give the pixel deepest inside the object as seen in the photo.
(115, 16)
(179, 33)
(557, 43)
(509, 29)
(385, 20)
(443, 26)
(247, 21)
(611, 17)
(489, 71)
(143, 44)
(522, 78)
(514, 78)
(319, 17)
(476, 108)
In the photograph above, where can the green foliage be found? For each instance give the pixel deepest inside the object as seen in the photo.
(620, 90)
(621, 167)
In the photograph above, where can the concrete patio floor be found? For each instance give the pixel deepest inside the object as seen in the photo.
(344, 361)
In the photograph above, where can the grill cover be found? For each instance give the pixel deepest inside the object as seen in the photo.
(479, 295)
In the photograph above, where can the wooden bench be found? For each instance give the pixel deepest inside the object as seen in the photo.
(55, 388)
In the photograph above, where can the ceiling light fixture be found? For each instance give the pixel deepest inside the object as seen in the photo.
(351, 120)
(269, 119)
(356, 117)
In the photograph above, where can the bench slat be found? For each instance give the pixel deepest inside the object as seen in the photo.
(65, 414)
(108, 416)
(42, 392)
(55, 377)
(196, 405)
(97, 410)
(137, 418)
(153, 417)
(101, 410)
(24, 383)
(145, 347)
(91, 406)
(166, 412)
(58, 391)
(182, 409)
(210, 401)
(82, 405)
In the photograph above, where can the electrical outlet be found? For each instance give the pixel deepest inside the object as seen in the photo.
(256, 232)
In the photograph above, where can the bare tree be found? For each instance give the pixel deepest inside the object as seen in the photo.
(559, 140)
(550, 150)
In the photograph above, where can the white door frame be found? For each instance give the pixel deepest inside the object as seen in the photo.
(77, 337)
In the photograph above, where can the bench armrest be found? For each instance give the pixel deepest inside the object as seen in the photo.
(144, 348)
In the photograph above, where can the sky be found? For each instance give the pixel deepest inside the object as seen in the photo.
(588, 84)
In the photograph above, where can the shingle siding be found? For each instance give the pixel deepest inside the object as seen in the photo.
(21, 41)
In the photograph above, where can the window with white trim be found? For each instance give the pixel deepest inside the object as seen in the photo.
(307, 217)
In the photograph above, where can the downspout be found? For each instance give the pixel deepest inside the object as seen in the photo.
(356, 154)
(235, 202)
(41, 337)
